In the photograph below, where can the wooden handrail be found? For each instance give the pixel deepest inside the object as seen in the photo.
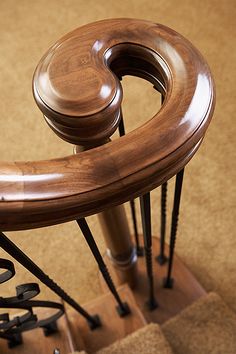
(76, 88)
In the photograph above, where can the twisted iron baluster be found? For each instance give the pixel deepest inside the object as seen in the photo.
(122, 308)
(139, 249)
(161, 258)
(168, 281)
(147, 235)
(24, 260)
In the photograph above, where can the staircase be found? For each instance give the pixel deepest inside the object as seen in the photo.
(155, 305)
(207, 326)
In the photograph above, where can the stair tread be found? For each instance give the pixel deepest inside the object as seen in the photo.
(207, 326)
(113, 327)
(186, 288)
(148, 339)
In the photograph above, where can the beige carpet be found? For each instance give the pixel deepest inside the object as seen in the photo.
(206, 239)
(148, 339)
(206, 327)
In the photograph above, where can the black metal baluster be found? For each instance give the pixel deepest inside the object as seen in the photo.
(24, 260)
(161, 258)
(147, 235)
(168, 281)
(122, 308)
(139, 249)
(121, 124)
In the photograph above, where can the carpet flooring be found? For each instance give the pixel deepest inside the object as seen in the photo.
(206, 327)
(148, 339)
(206, 238)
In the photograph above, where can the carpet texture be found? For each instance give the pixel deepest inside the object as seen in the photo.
(206, 238)
(149, 340)
(206, 327)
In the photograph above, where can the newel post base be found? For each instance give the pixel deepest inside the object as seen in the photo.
(120, 249)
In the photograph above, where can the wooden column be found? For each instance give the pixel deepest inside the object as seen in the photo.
(120, 248)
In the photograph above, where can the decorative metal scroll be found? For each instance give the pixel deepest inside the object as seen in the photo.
(11, 328)
(14, 251)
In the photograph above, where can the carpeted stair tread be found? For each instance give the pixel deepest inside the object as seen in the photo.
(206, 327)
(148, 339)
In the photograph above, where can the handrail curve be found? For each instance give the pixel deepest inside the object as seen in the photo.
(77, 88)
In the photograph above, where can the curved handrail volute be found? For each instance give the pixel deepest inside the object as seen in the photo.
(76, 87)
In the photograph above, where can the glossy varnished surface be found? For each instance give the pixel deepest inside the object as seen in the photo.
(75, 87)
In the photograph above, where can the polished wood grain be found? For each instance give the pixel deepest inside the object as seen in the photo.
(76, 87)
(185, 291)
(120, 247)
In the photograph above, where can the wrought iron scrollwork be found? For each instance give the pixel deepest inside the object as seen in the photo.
(14, 251)
(12, 327)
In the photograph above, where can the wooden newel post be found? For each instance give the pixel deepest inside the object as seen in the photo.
(86, 115)
(120, 250)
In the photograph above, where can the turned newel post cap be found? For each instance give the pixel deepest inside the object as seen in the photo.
(78, 96)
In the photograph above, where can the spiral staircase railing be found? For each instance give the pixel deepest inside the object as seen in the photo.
(77, 86)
